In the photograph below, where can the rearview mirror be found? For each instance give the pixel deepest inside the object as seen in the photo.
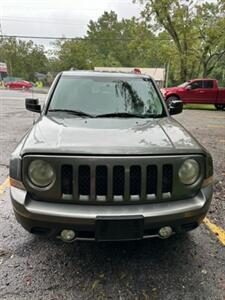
(176, 107)
(33, 105)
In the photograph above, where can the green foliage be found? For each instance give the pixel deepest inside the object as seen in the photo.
(183, 33)
(196, 30)
(23, 58)
(74, 55)
(187, 35)
(114, 43)
(210, 22)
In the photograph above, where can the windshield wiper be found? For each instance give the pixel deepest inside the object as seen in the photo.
(109, 115)
(127, 115)
(73, 112)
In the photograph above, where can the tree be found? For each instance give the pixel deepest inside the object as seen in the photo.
(128, 42)
(74, 55)
(110, 42)
(104, 34)
(210, 22)
(177, 19)
(187, 34)
(195, 31)
(23, 58)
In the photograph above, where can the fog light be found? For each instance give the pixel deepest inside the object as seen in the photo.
(67, 235)
(165, 232)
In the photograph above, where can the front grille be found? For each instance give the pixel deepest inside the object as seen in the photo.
(113, 179)
(118, 183)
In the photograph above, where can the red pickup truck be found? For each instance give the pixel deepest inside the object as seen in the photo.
(201, 91)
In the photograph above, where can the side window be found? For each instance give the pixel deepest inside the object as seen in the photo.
(208, 84)
(196, 85)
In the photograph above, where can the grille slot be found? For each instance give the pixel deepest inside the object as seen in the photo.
(67, 179)
(118, 180)
(135, 180)
(167, 179)
(151, 180)
(101, 180)
(84, 180)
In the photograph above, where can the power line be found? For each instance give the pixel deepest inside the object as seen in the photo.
(45, 3)
(5, 36)
(27, 20)
(41, 2)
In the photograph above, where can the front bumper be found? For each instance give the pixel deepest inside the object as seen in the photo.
(51, 218)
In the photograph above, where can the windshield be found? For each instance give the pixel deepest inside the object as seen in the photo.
(106, 95)
(183, 84)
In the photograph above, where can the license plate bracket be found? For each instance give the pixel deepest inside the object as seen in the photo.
(119, 228)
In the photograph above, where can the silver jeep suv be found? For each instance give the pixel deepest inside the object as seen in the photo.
(105, 161)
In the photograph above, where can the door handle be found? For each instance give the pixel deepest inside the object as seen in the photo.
(201, 92)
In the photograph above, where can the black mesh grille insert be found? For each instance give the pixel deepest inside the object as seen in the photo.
(151, 180)
(84, 179)
(135, 180)
(67, 179)
(101, 180)
(167, 179)
(118, 180)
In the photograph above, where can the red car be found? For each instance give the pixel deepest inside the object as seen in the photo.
(20, 84)
(201, 91)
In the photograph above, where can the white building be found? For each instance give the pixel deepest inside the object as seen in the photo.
(158, 74)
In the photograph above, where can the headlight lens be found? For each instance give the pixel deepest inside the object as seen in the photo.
(41, 173)
(189, 171)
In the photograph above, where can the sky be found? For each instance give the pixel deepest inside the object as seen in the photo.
(58, 18)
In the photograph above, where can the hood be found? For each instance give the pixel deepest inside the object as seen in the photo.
(110, 136)
(173, 89)
(168, 90)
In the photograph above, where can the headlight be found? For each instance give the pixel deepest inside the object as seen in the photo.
(189, 171)
(41, 173)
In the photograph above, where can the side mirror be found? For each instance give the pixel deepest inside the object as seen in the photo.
(33, 105)
(188, 87)
(176, 107)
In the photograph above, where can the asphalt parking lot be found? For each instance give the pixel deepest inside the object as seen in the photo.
(183, 267)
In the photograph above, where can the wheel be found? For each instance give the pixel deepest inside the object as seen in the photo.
(170, 99)
(220, 106)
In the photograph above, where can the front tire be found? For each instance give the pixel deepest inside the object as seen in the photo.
(220, 106)
(170, 99)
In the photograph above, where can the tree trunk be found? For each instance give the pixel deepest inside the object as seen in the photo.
(205, 70)
(183, 68)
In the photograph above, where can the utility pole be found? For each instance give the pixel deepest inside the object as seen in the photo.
(167, 74)
(1, 33)
(0, 26)
(0, 21)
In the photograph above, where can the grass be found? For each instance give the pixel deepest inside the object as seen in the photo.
(200, 106)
